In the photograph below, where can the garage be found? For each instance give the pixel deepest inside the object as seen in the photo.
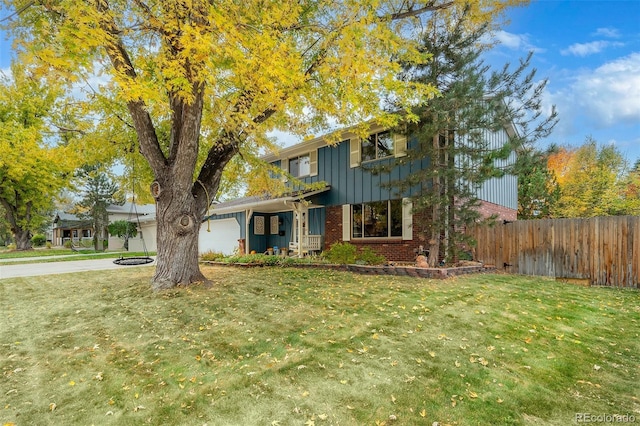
(223, 237)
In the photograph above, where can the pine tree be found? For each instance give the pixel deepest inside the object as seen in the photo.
(538, 189)
(451, 133)
(99, 191)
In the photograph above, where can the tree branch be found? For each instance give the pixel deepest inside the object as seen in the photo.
(410, 12)
(121, 62)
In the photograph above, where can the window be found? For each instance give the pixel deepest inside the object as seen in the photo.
(376, 146)
(300, 166)
(381, 219)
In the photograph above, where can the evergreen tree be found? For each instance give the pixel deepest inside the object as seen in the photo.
(538, 190)
(452, 130)
(98, 192)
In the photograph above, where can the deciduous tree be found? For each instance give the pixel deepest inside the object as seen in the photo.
(594, 181)
(222, 74)
(33, 166)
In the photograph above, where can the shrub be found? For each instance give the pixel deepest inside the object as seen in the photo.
(370, 257)
(48, 245)
(341, 253)
(11, 246)
(212, 256)
(38, 240)
(67, 244)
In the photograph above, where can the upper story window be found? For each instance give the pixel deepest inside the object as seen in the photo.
(377, 146)
(300, 166)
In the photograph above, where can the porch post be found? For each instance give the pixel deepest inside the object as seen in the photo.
(300, 229)
(247, 213)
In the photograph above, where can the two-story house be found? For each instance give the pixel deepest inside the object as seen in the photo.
(353, 206)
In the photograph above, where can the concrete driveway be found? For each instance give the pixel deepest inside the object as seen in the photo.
(65, 267)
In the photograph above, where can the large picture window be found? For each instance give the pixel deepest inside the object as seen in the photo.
(300, 166)
(381, 219)
(377, 146)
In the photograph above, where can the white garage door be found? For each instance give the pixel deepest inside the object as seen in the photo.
(223, 237)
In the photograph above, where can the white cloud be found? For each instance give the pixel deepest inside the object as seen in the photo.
(586, 49)
(607, 32)
(607, 96)
(514, 41)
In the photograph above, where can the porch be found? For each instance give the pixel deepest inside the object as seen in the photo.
(293, 225)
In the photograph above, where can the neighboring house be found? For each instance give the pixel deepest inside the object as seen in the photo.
(353, 206)
(144, 217)
(69, 227)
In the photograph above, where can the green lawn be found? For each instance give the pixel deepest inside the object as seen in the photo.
(287, 346)
(13, 258)
(39, 252)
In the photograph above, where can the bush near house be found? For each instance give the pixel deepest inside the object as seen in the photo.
(38, 240)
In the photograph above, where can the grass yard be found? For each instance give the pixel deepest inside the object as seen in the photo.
(287, 346)
(68, 256)
(39, 252)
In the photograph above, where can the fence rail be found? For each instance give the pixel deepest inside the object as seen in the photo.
(603, 250)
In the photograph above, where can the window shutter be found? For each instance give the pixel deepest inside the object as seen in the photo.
(346, 222)
(399, 145)
(407, 219)
(313, 163)
(354, 152)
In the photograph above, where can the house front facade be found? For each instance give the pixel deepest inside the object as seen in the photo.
(350, 203)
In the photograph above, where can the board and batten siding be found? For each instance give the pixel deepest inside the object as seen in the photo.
(502, 191)
(353, 185)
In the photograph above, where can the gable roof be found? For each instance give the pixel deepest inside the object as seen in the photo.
(126, 208)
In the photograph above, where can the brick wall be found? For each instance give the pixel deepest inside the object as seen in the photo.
(504, 213)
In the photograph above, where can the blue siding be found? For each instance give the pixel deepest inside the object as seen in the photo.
(352, 185)
(260, 243)
(357, 185)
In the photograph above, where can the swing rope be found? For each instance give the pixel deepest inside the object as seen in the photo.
(134, 260)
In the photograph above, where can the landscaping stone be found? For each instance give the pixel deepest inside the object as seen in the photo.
(390, 269)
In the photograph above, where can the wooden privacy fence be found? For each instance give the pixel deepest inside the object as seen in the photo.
(603, 250)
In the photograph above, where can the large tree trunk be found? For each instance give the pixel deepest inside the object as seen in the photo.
(434, 238)
(436, 209)
(178, 225)
(22, 238)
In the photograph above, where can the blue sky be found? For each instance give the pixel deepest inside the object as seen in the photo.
(590, 53)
